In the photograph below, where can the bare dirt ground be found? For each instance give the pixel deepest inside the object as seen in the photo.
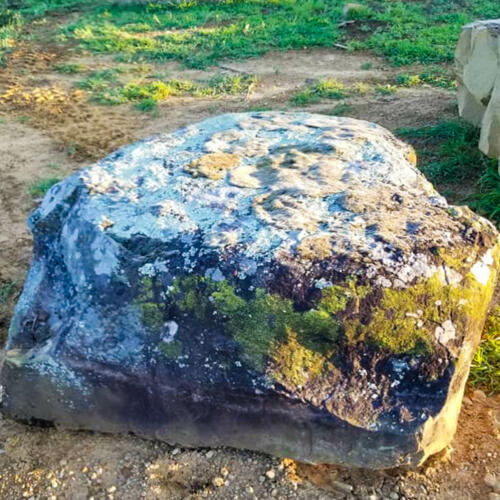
(58, 133)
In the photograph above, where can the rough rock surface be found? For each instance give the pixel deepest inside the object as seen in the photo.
(477, 60)
(289, 283)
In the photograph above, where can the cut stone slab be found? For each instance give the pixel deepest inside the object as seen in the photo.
(288, 283)
(477, 61)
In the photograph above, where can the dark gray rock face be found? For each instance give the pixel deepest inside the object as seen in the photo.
(288, 283)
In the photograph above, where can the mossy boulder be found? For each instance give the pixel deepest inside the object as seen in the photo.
(289, 283)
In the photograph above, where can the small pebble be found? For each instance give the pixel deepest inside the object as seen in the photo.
(210, 454)
(344, 487)
(479, 395)
(491, 481)
(261, 479)
(176, 452)
(270, 474)
(218, 481)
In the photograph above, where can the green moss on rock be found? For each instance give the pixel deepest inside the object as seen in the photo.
(294, 364)
(405, 320)
(151, 311)
(273, 333)
(172, 349)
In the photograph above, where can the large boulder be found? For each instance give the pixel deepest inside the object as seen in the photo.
(477, 61)
(289, 283)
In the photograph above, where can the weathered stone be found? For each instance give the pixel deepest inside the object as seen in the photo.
(289, 283)
(477, 60)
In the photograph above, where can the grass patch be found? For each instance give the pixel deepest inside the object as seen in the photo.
(436, 76)
(148, 105)
(40, 188)
(70, 68)
(200, 33)
(323, 89)
(419, 31)
(106, 88)
(485, 367)
(11, 23)
(386, 89)
(333, 89)
(341, 109)
(6, 290)
(449, 157)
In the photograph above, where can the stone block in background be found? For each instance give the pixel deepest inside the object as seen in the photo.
(477, 61)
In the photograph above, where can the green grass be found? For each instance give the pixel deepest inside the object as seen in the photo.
(436, 76)
(485, 368)
(420, 32)
(11, 23)
(333, 89)
(106, 88)
(39, 188)
(200, 33)
(386, 89)
(147, 105)
(323, 89)
(341, 109)
(448, 155)
(70, 69)
(6, 290)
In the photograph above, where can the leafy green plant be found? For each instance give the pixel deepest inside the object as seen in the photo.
(386, 89)
(148, 104)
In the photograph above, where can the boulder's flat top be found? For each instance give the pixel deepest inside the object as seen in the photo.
(273, 186)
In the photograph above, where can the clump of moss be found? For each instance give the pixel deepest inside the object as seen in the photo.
(258, 323)
(172, 349)
(295, 364)
(269, 328)
(400, 326)
(151, 310)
